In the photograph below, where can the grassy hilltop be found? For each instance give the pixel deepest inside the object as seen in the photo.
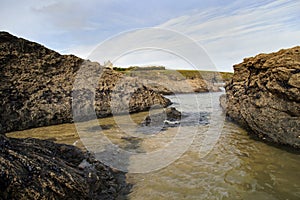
(186, 74)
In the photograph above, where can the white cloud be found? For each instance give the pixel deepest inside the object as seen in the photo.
(231, 33)
(153, 46)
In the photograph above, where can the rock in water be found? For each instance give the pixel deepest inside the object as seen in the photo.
(167, 116)
(36, 87)
(264, 96)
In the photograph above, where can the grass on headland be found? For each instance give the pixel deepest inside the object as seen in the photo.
(188, 74)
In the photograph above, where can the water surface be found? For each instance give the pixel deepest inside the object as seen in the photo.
(216, 165)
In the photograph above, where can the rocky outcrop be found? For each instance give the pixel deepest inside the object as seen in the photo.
(37, 169)
(37, 87)
(169, 82)
(264, 96)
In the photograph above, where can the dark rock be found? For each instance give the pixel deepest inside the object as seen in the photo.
(204, 118)
(173, 114)
(264, 96)
(39, 169)
(167, 117)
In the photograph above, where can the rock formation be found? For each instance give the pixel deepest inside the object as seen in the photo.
(168, 82)
(37, 169)
(39, 87)
(36, 87)
(163, 117)
(264, 96)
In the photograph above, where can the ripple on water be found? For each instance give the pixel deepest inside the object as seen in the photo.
(236, 168)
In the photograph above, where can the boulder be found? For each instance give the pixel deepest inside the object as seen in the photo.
(264, 96)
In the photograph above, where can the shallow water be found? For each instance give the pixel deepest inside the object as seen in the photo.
(206, 161)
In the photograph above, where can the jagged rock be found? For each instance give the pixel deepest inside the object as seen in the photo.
(165, 117)
(264, 96)
(37, 87)
(173, 114)
(39, 169)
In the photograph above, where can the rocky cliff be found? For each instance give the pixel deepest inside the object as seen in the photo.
(264, 96)
(37, 87)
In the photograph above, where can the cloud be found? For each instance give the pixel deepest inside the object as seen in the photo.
(229, 30)
(65, 16)
(228, 33)
(70, 24)
(240, 30)
(153, 46)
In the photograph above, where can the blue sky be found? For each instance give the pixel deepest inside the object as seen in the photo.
(227, 30)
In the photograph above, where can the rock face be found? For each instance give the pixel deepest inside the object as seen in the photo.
(264, 96)
(37, 169)
(37, 87)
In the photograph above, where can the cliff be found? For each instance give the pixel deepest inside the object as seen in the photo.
(264, 96)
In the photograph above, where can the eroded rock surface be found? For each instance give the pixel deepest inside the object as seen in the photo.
(264, 96)
(39, 169)
(37, 87)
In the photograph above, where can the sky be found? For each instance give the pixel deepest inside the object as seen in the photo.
(222, 31)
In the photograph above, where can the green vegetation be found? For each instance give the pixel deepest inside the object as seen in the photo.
(119, 69)
(217, 76)
(137, 68)
(188, 74)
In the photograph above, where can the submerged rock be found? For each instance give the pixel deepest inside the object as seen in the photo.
(39, 169)
(264, 96)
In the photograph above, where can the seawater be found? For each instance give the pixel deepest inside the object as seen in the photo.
(219, 161)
